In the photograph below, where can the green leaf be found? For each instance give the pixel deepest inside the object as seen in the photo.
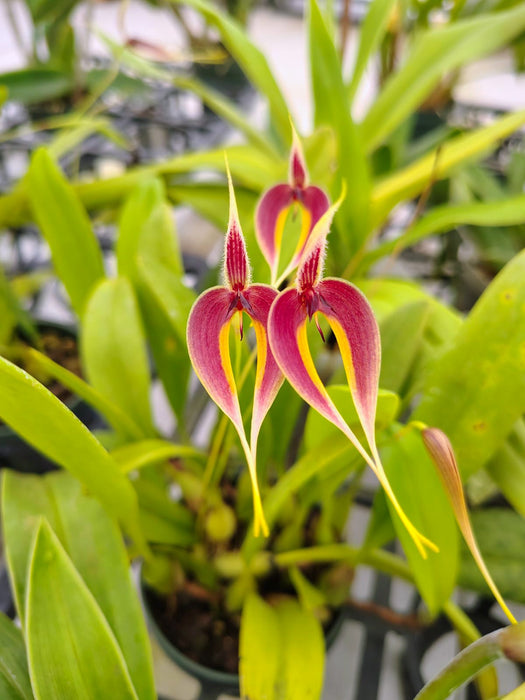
(113, 347)
(500, 534)
(507, 467)
(3, 95)
(147, 196)
(43, 421)
(14, 675)
(117, 418)
(66, 227)
(413, 179)
(259, 650)
(476, 391)
(94, 544)
(302, 652)
(372, 32)
(331, 107)
(504, 212)
(141, 454)
(64, 622)
(165, 303)
(416, 484)
(436, 52)
(34, 85)
(252, 62)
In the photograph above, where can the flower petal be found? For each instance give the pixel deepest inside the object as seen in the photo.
(270, 218)
(236, 264)
(355, 328)
(269, 377)
(297, 171)
(208, 346)
(288, 339)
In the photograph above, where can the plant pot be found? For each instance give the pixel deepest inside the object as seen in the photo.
(212, 683)
(17, 454)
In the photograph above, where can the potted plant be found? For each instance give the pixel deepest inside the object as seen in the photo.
(307, 471)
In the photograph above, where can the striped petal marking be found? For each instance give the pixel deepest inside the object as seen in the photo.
(352, 321)
(209, 348)
(274, 207)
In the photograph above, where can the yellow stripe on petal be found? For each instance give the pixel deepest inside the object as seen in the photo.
(279, 231)
(224, 349)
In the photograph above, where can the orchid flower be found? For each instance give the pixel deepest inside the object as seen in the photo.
(208, 345)
(275, 204)
(352, 321)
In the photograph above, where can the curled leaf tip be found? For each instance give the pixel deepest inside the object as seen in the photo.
(442, 454)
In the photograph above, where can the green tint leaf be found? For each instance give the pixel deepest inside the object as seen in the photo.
(43, 421)
(94, 543)
(259, 650)
(436, 52)
(507, 468)
(64, 622)
(332, 108)
(476, 391)
(113, 347)
(147, 196)
(252, 62)
(66, 227)
(501, 538)
(413, 179)
(14, 675)
(34, 85)
(506, 212)
(416, 484)
(372, 32)
(118, 419)
(146, 452)
(302, 652)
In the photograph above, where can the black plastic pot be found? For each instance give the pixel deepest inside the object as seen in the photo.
(212, 683)
(16, 453)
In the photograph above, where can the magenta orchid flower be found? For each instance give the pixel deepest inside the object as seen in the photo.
(353, 323)
(275, 204)
(208, 346)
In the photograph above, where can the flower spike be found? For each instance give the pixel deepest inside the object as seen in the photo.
(440, 450)
(273, 208)
(355, 328)
(208, 345)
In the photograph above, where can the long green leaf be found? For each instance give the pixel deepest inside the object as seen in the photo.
(141, 454)
(507, 467)
(249, 167)
(14, 675)
(66, 227)
(113, 348)
(332, 108)
(504, 212)
(416, 484)
(252, 62)
(436, 165)
(372, 32)
(302, 652)
(435, 53)
(95, 546)
(118, 419)
(41, 419)
(147, 196)
(65, 623)
(259, 650)
(33, 85)
(476, 391)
